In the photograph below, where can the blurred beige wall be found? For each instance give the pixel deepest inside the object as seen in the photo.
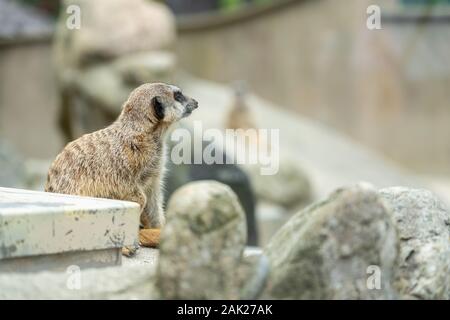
(388, 88)
(28, 99)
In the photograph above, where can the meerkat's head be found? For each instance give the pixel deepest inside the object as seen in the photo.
(159, 102)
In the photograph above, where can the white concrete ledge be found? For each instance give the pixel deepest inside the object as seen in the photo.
(125, 282)
(39, 223)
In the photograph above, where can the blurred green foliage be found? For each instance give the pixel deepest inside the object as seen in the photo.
(230, 5)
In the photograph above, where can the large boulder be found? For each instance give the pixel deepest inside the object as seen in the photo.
(290, 187)
(423, 226)
(113, 28)
(202, 243)
(232, 176)
(339, 248)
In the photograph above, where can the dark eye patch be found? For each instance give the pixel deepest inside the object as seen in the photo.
(178, 96)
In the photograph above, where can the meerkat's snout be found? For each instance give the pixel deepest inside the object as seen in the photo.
(191, 105)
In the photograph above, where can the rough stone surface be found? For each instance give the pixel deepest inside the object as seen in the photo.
(232, 176)
(202, 243)
(324, 251)
(128, 282)
(423, 225)
(143, 257)
(289, 187)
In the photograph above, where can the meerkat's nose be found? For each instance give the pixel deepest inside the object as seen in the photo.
(194, 104)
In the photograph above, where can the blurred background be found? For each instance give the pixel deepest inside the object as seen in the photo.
(351, 103)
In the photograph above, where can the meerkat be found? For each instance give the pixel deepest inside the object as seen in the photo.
(240, 116)
(125, 161)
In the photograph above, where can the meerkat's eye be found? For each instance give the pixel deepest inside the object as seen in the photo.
(178, 96)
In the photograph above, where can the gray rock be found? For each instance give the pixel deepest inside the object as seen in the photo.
(113, 28)
(328, 250)
(232, 176)
(156, 66)
(423, 225)
(101, 87)
(202, 243)
(143, 257)
(289, 187)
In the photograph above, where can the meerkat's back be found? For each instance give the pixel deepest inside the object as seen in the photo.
(85, 166)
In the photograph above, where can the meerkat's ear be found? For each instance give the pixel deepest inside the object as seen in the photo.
(158, 107)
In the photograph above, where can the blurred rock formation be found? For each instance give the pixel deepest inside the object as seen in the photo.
(120, 45)
(324, 251)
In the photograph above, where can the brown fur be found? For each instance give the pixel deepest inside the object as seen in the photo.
(240, 115)
(149, 237)
(124, 161)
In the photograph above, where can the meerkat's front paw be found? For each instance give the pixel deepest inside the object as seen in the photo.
(130, 251)
(149, 237)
